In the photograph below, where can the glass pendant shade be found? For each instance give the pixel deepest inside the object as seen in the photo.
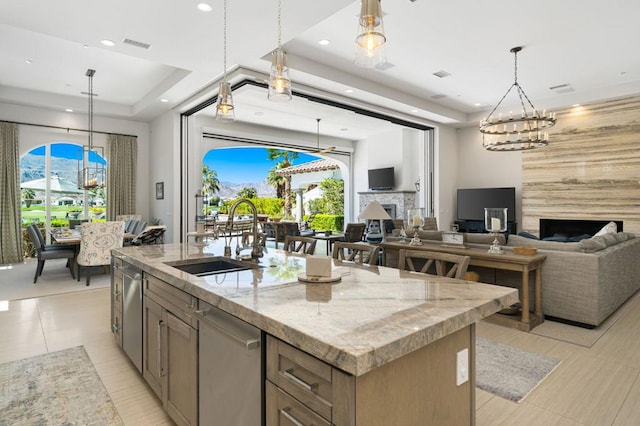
(224, 106)
(371, 36)
(279, 80)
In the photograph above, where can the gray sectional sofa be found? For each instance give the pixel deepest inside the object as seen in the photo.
(582, 282)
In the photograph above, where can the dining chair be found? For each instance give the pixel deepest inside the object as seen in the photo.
(361, 253)
(298, 244)
(44, 253)
(445, 264)
(354, 232)
(96, 241)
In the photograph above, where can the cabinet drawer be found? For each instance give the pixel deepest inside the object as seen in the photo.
(304, 377)
(176, 301)
(282, 410)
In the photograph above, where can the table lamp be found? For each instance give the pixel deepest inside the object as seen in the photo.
(374, 211)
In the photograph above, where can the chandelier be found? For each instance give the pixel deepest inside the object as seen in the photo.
(224, 106)
(279, 80)
(371, 38)
(517, 132)
(91, 171)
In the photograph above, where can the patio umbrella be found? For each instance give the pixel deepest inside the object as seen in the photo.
(57, 184)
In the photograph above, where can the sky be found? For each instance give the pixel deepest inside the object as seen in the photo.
(245, 165)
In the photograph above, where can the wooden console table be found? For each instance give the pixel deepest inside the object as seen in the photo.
(508, 261)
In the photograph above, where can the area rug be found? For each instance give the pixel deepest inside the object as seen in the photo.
(584, 336)
(509, 372)
(58, 388)
(16, 281)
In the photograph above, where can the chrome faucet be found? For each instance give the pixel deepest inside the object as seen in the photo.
(256, 251)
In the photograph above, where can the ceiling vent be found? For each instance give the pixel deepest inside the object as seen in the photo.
(384, 66)
(562, 88)
(135, 43)
(441, 74)
(439, 96)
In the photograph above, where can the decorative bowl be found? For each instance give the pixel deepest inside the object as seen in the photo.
(526, 251)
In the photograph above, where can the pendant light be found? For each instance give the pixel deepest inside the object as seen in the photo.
(224, 106)
(279, 80)
(517, 132)
(91, 171)
(371, 38)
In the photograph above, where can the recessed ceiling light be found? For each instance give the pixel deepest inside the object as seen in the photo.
(69, 110)
(477, 104)
(86, 46)
(27, 61)
(622, 73)
(204, 7)
(344, 129)
(164, 100)
(349, 91)
(258, 113)
(107, 43)
(414, 110)
(575, 105)
(324, 42)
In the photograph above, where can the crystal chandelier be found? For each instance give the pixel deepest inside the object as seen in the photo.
(91, 171)
(517, 132)
(279, 80)
(224, 106)
(371, 38)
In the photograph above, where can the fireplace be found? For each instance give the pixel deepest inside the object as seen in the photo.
(395, 203)
(572, 228)
(390, 209)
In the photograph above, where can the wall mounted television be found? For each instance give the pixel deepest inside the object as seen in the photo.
(472, 201)
(381, 179)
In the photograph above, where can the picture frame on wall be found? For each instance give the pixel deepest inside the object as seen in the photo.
(159, 190)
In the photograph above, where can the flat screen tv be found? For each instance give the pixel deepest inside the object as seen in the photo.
(381, 179)
(471, 202)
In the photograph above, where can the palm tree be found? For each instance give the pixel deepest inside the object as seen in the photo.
(285, 160)
(210, 182)
(276, 181)
(248, 192)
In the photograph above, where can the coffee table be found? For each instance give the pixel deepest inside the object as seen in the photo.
(509, 261)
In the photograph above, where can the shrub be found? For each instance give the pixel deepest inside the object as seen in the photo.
(270, 206)
(325, 222)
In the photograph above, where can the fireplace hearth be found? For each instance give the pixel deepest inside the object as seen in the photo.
(572, 228)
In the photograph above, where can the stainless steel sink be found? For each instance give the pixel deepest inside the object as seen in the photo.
(211, 266)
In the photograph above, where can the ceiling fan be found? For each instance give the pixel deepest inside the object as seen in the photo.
(323, 150)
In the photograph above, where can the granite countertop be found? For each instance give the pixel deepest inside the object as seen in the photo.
(371, 317)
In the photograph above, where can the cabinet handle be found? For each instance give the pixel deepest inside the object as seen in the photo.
(286, 412)
(298, 381)
(247, 343)
(159, 357)
(191, 305)
(116, 293)
(114, 328)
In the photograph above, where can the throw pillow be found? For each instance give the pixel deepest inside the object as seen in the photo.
(609, 228)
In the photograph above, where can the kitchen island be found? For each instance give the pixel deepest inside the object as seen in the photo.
(387, 343)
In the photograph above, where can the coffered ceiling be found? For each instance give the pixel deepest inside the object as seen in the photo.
(588, 48)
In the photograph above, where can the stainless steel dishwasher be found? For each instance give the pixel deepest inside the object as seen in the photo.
(132, 314)
(230, 379)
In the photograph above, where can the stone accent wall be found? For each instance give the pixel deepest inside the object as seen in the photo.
(590, 169)
(403, 200)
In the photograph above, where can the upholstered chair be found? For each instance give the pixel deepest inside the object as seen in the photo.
(44, 253)
(96, 241)
(361, 253)
(445, 264)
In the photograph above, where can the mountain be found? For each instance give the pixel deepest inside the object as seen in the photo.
(230, 190)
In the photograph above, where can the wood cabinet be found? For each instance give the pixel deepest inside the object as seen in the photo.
(418, 388)
(170, 348)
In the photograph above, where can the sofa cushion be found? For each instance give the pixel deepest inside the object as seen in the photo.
(516, 240)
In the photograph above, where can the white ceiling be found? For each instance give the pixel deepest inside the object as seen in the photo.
(591, 45)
